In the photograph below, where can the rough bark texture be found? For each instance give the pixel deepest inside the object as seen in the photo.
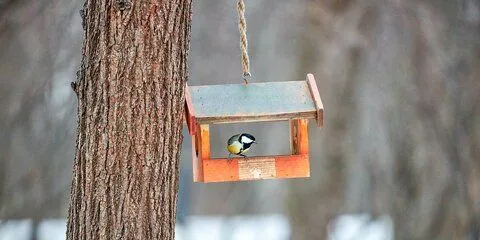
(130, 106)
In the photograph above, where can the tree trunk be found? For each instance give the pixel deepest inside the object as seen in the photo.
(130, 108)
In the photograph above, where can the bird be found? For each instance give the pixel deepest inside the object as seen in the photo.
(239, 144)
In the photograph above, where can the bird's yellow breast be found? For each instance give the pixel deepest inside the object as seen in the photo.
(234, 147)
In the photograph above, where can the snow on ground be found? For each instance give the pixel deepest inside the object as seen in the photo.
(11, 230)
(272, 227)
(361, 227)
(269, 227)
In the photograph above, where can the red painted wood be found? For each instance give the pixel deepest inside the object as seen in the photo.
(205, 141)
(302, 131)
(294, 166)
(189, 112)
(197, 164)
(220, 170)
(286, 166)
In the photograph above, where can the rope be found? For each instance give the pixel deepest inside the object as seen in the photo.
(242, 27)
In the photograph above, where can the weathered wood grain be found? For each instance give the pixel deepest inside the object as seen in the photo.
(256, 168)
(312, 86)
(253, 102)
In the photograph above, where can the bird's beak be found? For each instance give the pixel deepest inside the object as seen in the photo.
(255, 142)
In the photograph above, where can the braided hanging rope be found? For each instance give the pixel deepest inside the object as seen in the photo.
(242, 27)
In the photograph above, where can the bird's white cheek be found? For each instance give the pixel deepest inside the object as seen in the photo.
(246, 140)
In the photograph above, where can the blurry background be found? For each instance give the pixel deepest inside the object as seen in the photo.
(398, 158)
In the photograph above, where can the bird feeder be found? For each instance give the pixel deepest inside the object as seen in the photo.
(293, 101)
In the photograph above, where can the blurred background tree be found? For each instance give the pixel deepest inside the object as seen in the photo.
(402, 107)
(39, 54)
(400, 81)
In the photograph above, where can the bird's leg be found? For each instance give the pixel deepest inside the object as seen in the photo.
(229, 155)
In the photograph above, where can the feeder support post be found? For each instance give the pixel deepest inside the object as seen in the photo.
(299, 136)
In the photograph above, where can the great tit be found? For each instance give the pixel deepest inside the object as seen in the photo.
(239, 144)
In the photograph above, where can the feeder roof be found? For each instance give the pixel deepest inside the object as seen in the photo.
(269, 101)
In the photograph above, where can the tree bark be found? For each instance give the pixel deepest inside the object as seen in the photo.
(130, 107)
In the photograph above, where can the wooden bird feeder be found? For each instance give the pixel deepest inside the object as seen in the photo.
(295, 101)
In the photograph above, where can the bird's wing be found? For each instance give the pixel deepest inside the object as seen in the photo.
(233, 139)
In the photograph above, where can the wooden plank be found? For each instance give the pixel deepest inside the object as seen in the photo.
(312, 85)
(205, 141)
(197, 164)
(223, 170)
(299, 136)
(300, 167)
(302, 125)
(293, 136)
(252, 102)
(189, 112)
(260, 168)
(200, 151)
(256, 168)
(257, 118)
